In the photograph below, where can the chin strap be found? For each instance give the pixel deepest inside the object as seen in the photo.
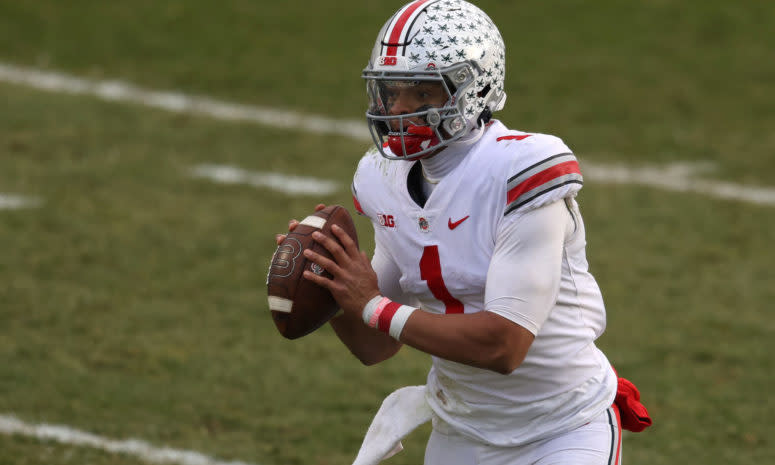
(475, 138)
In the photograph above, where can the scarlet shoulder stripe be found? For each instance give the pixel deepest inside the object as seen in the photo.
(540, 178)
(559, 170)
(396, 33)
(531, 170)
(523, 136)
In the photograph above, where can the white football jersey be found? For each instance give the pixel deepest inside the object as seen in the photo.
(443, 251)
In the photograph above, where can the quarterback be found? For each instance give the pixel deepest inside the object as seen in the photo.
(480, 255)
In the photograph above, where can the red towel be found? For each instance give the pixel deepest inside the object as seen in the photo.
(634, 415)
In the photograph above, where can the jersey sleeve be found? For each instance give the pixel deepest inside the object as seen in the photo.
(356, 202)
(362, 178)
(544, 171)
(523, 278)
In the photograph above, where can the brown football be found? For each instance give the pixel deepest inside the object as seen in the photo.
(299, 306)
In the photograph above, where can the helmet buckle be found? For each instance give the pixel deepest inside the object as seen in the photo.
(456, 125)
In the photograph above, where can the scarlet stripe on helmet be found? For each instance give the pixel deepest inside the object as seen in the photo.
(544, 176)
(396, 33)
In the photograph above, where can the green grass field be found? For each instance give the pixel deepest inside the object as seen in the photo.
(133, 303)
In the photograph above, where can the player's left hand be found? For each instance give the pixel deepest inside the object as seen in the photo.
(279, 238)
(355, 282)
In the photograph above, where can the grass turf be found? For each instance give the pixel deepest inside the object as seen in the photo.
(133, 300)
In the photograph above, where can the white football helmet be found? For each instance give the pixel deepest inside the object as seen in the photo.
(451, 42)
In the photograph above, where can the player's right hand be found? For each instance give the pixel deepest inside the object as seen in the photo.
(279, 238)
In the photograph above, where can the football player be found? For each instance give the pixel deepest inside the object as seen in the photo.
(480, 255)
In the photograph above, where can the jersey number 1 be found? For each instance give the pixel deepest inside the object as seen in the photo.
(430, 272)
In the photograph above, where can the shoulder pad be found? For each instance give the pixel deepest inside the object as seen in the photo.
(544, 182)
(543, 171)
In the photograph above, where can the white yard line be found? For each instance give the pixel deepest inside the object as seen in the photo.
(294, 185)
(114, 90)
(677, 177)
(10, 425)
(673, 177)
(14, 202)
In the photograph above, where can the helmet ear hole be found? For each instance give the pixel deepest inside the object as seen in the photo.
(485, 90)
(484, 116)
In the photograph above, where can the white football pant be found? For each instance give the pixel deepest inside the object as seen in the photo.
(596, 443)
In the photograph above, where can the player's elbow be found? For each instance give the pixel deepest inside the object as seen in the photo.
(509, 344)
(498, 355)
(370, 359)
(506, 362)
(374, 355)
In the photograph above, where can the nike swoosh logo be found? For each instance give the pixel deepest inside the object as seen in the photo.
(456, 223)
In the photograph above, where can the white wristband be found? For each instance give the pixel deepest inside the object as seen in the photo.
(399, 320)
(370, 308)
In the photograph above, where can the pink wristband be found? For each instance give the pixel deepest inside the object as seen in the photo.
(375, 317)
(370, 309)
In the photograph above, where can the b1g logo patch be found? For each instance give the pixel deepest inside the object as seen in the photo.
(387, 221)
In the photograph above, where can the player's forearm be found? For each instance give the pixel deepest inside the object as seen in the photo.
(483, 340)
(369, 345)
